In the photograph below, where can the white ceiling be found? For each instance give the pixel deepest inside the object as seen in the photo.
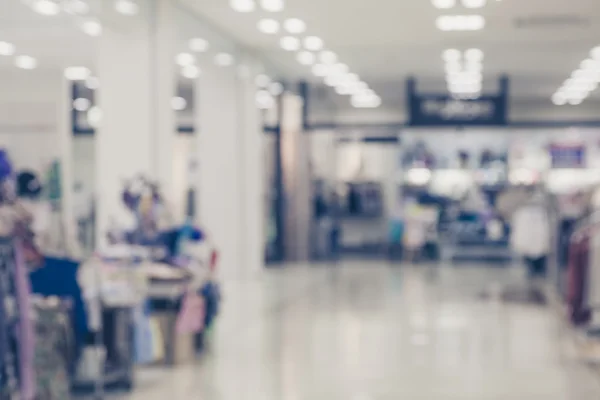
(384, 41)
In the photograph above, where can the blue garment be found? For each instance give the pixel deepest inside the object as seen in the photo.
(58, 277)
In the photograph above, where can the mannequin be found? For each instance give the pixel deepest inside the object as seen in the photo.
(531, 235)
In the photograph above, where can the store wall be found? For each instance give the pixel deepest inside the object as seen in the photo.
(395, 112)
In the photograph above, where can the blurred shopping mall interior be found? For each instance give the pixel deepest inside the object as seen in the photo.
(299, 199)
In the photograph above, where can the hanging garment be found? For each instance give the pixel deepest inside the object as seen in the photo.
(143, 342)
(9, 384)
(26, 328)
(579, 312)
(530, 235)
(52, 353)
(191, 316)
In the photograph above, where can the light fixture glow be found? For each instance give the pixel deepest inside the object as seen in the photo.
(339, 69)
(365, 101)
(313, 43)
(294, 26)
(45, 7)
(474, 55)
(559, 99)
(199, 45)
(190, 71)
(289, 43)
(243, 6)
(268, 26)
(127, 7)
(451, 55)
(306, 58)
(460, 22)
(328, 57)
(272, 5)
(595, 53)
(7, 49)
(332, 80)
(443, 4)
(183, 59)
(92, 28)
(474, 3)
(224, 59)
(81, 104)
(276, 88)
(25, 62)
(178, 103)
(94, 116)
(92, 83)
(77, 73)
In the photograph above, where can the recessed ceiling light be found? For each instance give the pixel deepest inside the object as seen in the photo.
(320, 70)
(183, 59)
(272, 5)
(332, 80)
(276, 88)
(224, 59)
(92, 27)
(575, 101)
(451, 55)
(294, 26)
(127, 7)
(262, 81)
(473, 67)
(199, 45)
(443, 4)
(474, 55)
(474, 3)
(82, 104)
(45, 7)
(243, 6)
(313, 43)
(339, 69)
(7, 49)
(25, 62)
(289, 43)
(328, 57)
(306, 58)
(595, 53)
(460, 22)
(77, 73)
(94, 116)
(268, 26)
(178, 103)
(92, 83)
(366, 101)
(190, 71)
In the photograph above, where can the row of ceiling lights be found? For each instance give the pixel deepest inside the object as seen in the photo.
(582, 82)
(310, 51)
(459, 22)
(464, 72)
(22, 61)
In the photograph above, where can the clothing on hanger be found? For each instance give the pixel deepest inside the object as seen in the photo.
(577, 287)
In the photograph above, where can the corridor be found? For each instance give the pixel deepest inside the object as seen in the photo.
(368, 331)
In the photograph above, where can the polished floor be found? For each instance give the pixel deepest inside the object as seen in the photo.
(368, 331)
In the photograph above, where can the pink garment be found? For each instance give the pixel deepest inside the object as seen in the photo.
(191, 316)
(26, 328)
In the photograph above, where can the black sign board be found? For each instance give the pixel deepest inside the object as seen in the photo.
(445, 110)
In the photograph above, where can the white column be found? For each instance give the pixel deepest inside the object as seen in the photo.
(253, 171)
(137, 122)
(219, 193)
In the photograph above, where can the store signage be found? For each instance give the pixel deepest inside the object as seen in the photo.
(567, 155)
(445, 110)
